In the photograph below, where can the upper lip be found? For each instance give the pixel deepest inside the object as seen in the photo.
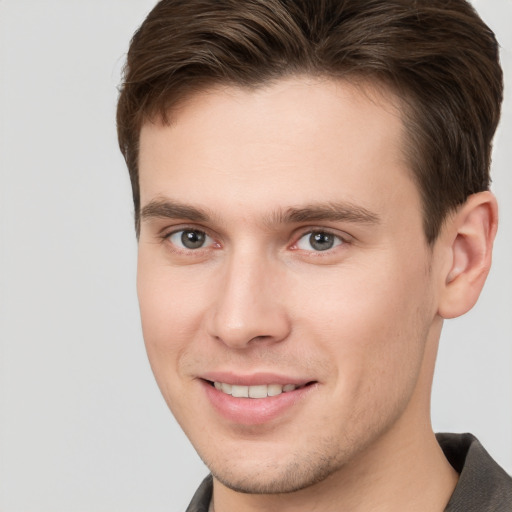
(254, 379)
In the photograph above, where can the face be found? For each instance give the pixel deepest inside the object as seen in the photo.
(285, 285)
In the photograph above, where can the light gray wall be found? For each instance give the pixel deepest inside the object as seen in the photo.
(82, 424)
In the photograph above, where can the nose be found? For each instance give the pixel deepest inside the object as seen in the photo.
(249, 305)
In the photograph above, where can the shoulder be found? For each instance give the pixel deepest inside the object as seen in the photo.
(483, 485)
(201, 500)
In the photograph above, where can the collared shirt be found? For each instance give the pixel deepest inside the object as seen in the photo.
(483, 486)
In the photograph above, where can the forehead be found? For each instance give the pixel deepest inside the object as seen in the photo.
(297, 141)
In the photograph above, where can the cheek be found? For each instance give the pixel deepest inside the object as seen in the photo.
(170, 313)
(374, 326)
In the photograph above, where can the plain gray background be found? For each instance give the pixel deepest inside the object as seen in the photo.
(82, 424)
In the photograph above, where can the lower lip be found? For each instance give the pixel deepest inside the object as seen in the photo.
(254, 411)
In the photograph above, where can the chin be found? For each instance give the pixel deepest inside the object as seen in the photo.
(300, 471)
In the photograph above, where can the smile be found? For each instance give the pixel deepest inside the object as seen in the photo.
(260, 391)
(249, 400)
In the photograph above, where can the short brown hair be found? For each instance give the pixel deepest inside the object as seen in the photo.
(437, 56)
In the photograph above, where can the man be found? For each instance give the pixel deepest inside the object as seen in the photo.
(310, 181)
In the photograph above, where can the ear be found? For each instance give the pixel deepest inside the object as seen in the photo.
(468, 238)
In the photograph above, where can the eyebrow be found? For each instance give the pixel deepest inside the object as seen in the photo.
(165, 209)
(316, 212)
(335, 212)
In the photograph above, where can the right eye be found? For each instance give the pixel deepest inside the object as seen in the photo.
(190, 239)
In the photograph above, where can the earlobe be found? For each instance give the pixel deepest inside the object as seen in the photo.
(471, 233)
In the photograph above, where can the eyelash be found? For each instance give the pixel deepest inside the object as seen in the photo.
(338, 240)
(167, 237)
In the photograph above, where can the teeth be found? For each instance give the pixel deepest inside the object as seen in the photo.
(260, 391)
(240, 391)
(274, 389)
(226, 388)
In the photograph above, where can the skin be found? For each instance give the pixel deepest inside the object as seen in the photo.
(361, 320)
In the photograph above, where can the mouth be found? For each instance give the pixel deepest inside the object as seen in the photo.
(256, 399)
(258, 391)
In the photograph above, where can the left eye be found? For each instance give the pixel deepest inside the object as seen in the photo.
(190, 239)
(318, 241)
